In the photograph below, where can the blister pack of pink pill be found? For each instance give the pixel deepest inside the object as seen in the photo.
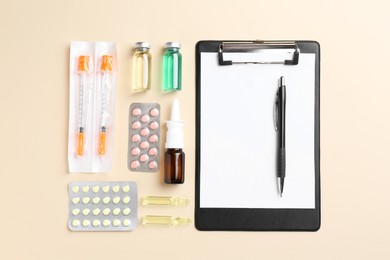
(144, 137)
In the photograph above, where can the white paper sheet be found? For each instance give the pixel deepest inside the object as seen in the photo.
(238, 139)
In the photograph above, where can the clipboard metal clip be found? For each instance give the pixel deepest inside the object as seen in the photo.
(276, 111)
(250, 46)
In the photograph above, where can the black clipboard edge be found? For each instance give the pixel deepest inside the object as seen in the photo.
(243, 219)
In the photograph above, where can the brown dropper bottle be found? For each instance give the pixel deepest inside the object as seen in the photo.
(174, 160)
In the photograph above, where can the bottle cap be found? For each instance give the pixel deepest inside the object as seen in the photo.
(170, 45)
(142, 45)
(175, 136)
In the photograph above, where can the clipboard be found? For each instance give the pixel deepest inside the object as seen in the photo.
(235, 185)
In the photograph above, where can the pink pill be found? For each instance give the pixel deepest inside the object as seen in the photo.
(136, 125)
(153, 138)
(135, 151)
(134, 164)
(153, 151)
(153, 125)
(145, 118)
(154, 112)
(144, 132)
(136, 111)
(144, 145)
(144, 157)
(152, 165)
(135, 138)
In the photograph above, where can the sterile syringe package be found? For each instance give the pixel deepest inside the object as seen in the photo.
(93, 73)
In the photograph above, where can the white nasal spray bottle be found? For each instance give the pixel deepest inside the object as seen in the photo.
(174, 160)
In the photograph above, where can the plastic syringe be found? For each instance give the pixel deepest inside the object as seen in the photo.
(106, 70)
(83, 69)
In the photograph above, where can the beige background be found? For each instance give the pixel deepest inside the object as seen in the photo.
(355, 128)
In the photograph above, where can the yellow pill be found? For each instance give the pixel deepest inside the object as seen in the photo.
(85, 189)
(86, 200)
(95, 189)
(126, 188)
(116, 211)
(116, 222)
(96, 200)
(126, 199)
(76, 189)
(106, 222)
(86, 223)
(115, 188)
(106, 211)
(106, 189)
(96, 223)
(126, 222)
(76, 223)
(126, 211)
(106, 200)
(86, 212)
(116, 200)
(76, 200)
(75, 212)
(96, 212)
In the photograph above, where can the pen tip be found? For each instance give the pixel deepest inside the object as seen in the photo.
(281, 81)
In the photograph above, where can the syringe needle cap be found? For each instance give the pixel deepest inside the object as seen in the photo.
(84, 63)
(106, 63)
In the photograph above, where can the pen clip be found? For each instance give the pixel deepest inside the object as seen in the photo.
(276, 107)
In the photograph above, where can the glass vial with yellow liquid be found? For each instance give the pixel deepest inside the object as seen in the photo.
(141, 66)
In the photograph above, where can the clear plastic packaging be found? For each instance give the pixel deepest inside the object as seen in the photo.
(93, 73)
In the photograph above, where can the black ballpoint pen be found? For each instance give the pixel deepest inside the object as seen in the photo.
(280, 125)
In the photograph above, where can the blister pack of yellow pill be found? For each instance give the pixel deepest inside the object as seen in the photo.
(103, 206)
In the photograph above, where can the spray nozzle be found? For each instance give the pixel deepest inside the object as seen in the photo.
(175, 112)
(175, 138)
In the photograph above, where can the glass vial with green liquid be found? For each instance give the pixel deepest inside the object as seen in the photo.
(172, 67)
(141, 66)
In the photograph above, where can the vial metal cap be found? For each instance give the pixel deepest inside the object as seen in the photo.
(142, 45)
(172, 45)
